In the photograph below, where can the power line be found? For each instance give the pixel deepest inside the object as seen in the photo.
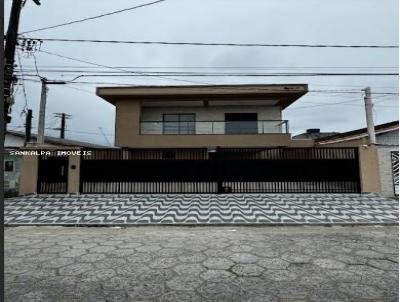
(23, 83)
(180, 73)
(36, 68)
(383, 94)
(123, 70)
(79, 71)
(210, 43)
(219, 67)
(94, 17)
(169, 75)
(348, 102)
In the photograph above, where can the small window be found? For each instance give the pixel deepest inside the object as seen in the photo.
(9, 166)
(179, 123)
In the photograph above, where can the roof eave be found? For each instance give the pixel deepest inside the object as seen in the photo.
(286, 93)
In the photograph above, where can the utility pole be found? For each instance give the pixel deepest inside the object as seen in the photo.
(63, 117)
(42, 110)
(9, 54)
(369, 115)
(28, 126)
(62, 130)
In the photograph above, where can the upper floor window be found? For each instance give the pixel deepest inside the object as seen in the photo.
(241, 123)
(181, 123)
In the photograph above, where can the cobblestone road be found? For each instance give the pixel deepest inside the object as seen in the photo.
(183, 264)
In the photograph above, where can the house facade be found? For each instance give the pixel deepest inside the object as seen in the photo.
(387, 144)
(203, 116)
(203, 139)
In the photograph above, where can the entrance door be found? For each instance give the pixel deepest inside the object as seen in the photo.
(241, 123)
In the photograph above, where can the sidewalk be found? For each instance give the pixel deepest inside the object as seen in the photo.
(204, 209)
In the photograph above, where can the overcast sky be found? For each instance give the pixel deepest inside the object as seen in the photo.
(363, 22)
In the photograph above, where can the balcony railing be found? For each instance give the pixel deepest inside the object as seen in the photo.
(214, 127)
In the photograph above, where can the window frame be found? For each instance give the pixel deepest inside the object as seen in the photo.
(181, 128)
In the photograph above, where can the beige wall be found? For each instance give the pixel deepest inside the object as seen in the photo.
(269, 118)
(29, 174)
(301, 143)
(127, 121)
(199, 141)
(214, 113)
(369, 169)
(128, 116)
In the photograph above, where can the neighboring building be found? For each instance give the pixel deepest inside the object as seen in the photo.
(313, 133)
(12, 170)
(14, 140)
(387, 139)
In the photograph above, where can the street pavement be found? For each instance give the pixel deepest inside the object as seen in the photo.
(195, 209)
(210, 263)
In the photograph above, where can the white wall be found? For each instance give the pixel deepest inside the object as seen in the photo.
(388, 138)
(216, 113)
(13, 141)
(385, 169)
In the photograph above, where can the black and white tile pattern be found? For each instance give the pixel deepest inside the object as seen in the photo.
(108, 209)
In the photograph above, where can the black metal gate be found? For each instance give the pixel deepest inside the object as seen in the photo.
(52, 173)
(395, 171)
(221, 170)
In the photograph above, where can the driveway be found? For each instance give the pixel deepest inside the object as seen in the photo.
(216, 264)
(208, 209)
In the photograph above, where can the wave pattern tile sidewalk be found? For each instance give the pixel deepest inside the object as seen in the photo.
(138, 209)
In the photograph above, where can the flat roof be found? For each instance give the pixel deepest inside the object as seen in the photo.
(285, 94)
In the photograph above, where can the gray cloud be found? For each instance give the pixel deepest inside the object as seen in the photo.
(274, 21)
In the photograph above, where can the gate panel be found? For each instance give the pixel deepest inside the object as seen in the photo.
(395, 171)
(52, 174)
(240, 170)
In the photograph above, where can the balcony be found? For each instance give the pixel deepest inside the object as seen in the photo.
(214, 127)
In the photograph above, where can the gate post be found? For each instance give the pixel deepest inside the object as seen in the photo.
(29, 174)
(369, 169)
(74, 165)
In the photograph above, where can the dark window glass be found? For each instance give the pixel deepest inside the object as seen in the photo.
(8, 166)
(179, 124)
(241, 123)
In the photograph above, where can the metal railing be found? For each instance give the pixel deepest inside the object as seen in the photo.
(214, 127)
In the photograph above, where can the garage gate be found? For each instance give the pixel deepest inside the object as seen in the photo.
(220, 170)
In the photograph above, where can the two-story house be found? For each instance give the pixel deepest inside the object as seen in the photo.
(203, 116)
(206, 139)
